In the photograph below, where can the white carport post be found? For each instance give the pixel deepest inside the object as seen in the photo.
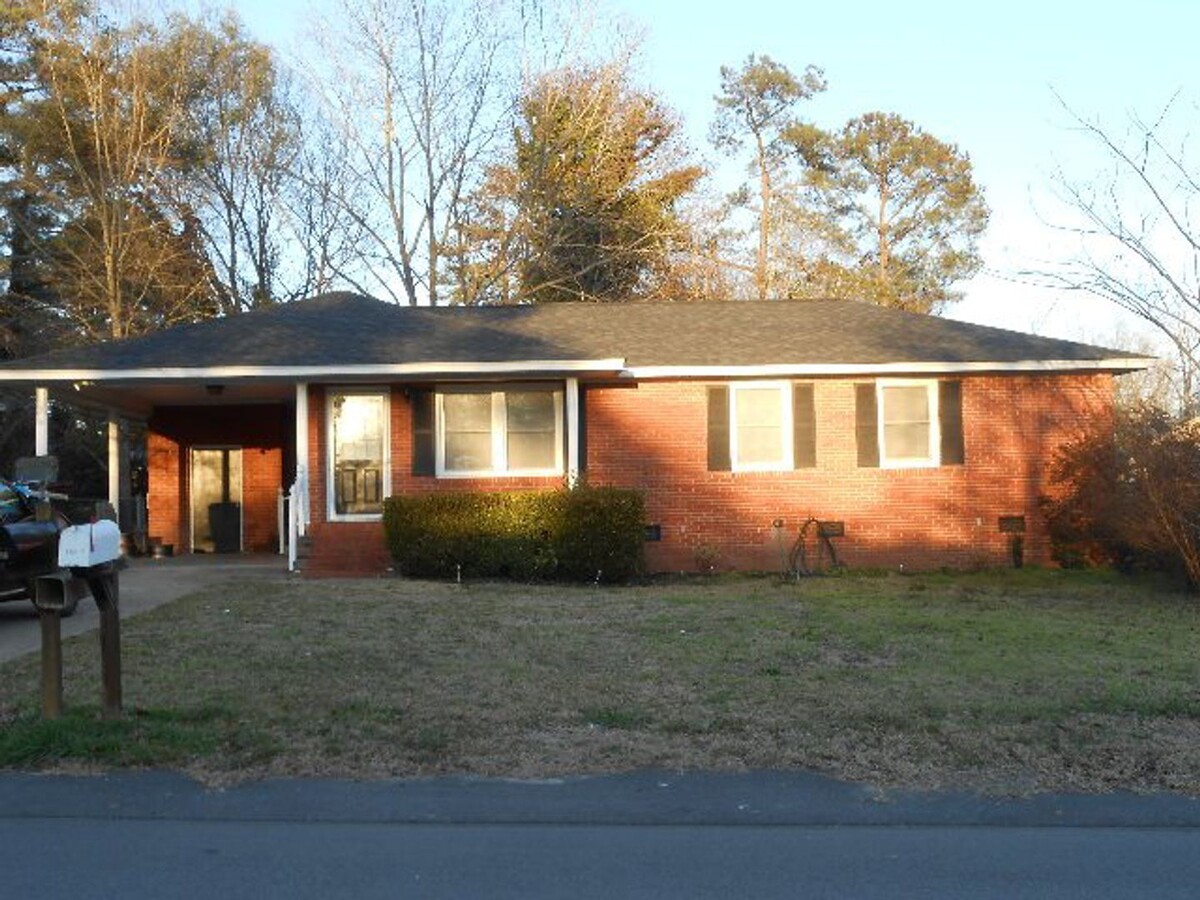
(114, 465)
(41, 427)
(572, 431)
(301, 482)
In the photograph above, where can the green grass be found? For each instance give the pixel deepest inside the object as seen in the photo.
(140, 738)
(996, 681)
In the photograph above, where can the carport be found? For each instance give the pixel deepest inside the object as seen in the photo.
(220, 450)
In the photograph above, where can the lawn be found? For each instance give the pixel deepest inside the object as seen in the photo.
(1000, 682)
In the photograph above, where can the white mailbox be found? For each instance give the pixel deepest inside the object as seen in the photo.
(83, 546)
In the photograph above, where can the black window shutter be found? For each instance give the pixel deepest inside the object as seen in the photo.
(950, 422)
(423, 454)
(866, 427)
(718, 429)
(804, 426)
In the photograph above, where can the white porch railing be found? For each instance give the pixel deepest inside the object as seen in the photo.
(295, 505)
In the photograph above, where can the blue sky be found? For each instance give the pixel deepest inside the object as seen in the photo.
(980, 75)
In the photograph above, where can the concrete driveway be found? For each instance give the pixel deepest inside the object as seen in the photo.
(145, 584)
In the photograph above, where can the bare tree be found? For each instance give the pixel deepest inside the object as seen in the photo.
(245, 132)
(419, 90)
(318, 204)
(1136, 227)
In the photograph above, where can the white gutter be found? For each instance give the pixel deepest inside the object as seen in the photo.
(560, 367)
(642, 373)
(370, 370)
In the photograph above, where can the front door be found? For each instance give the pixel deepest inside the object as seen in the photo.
(216, 488)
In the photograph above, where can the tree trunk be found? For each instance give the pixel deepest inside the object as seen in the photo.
(762, 274)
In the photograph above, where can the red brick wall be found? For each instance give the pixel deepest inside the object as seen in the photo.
(653, 437)
(258, 430)
(340, 548)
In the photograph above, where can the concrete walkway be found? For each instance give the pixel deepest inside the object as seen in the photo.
(145, 584)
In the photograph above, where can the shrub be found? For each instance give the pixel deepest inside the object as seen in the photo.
(1130, 497)
(575, 535)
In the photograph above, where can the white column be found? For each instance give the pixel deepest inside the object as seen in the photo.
(302, 453)
(114, 465)
(301, 427)
(572, 431)
(41, 429)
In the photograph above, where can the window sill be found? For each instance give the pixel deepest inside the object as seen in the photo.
(355, 517)
(498, 476)
(909, 464)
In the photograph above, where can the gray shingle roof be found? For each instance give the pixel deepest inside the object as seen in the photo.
(349, 329)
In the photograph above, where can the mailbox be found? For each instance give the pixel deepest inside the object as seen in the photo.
(85, 557)
(85, 546)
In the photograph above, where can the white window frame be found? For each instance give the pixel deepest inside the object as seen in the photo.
(331, 394)
(785, 464)
(499, 433)
(933, 460)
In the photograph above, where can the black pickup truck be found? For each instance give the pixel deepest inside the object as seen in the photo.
(28, 546)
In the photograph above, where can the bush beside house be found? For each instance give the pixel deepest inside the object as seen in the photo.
(583, 534)
(1129, 497)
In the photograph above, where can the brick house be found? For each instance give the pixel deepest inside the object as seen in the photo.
(928, 440)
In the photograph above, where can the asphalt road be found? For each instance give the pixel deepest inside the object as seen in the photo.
(642, 835)
(144, 584)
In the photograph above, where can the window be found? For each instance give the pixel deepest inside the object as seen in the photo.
(359, 458)
(760, 433)
(761, 426)
(513, 432)
(532, 430)
(908, 424)
(467, 432)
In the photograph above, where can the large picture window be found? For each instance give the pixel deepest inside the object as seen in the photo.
(511, 432)
(908, 423)
(358, 458)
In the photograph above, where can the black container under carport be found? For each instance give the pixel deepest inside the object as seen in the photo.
(225, 523)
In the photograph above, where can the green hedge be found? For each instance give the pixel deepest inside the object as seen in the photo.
(571, 535)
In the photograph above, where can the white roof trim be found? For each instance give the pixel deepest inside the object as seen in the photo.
(898, 368)
(229, 373)
(559, 367)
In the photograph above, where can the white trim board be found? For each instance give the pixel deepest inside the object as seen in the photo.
(641, 373)
(368, 370)
(561, 367)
